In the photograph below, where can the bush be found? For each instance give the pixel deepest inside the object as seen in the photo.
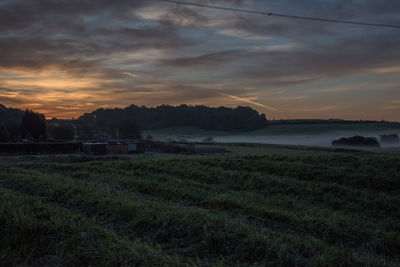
(33, 126)
(356, 141)
(4, 133)
(162, 147)
(390, 139)
(208, 139)
(65, 132)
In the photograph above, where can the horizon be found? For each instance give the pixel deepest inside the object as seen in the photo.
(109, 55)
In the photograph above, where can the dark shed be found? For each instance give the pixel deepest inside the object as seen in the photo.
(95, 148)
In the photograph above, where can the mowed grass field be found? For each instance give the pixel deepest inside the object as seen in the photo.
(261, 205)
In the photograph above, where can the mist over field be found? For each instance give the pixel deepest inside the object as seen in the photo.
(303, 135)
(301, 139)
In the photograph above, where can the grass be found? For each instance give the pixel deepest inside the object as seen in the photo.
(265, 205)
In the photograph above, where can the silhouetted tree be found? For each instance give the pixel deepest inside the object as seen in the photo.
(356, 141)
(11, 118)
(108, 121)
(33, 126)
(128, 129)
(4, 133)
(13, 130)
(85, 130)
(62, 131)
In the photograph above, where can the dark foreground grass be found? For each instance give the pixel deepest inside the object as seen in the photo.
(305, 209)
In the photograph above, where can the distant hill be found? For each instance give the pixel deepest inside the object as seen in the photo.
(207, 118)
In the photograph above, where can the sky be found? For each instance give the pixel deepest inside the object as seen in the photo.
(67, 57)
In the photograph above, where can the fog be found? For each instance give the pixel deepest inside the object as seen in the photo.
(321, 139)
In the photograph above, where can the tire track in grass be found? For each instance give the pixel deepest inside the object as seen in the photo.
(331, 195)
(330, 228)
(378, 174)
(375, 203)
(336, 196)
(35, 233)
(204, 233)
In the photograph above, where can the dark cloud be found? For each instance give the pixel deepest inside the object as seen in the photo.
(180, 54)
(66, 34)
(211, 60)
(38, 54)
(27, 13)
(10, 100)
(184, 16)
(281, 63)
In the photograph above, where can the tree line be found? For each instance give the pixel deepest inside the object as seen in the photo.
(165, 116)
(28, 126)
(127, 123)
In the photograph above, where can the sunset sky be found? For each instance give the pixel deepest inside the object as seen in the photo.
(67, 57)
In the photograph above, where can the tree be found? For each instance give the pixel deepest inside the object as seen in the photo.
(13, 130)
(62, 131)
(108, 121)
(128, 129)
(4, 133)
(33, 126)
(356, 141)
(85, 130)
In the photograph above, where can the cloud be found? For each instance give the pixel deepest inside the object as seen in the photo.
(243, 34)
(395, 69)
(10, 100)
(393, 107)
(131, 74)
(249, 100)
(291, 98)
(343, 88)
(62, 54)
(206, 60)
(318, 109)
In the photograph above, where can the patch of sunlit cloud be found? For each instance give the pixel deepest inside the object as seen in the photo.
(131, 74)
(292, 97)
(249, 100)
(144, 57)
(358, 86)
(10, 94)
(243, 34)
(36, 104)
(316, 109)
(343, 88)
(393, 107)
(159, 12)
(387, 70)
(52, 83)
(46, 80)
(275, 47)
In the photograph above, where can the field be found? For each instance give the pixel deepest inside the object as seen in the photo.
(258, 205)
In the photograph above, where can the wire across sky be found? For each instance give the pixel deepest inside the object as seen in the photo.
(289, 16)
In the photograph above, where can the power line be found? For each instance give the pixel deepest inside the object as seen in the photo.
(281, 14)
